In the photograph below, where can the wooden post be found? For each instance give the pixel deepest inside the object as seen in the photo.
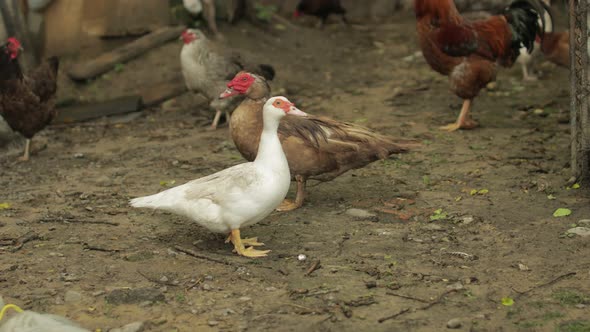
(580, 91)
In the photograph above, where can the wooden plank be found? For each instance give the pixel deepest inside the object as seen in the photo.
(161, 92)
(77, 113)
(580, 91)
(106, 61)
(62, 27)
(114, 18)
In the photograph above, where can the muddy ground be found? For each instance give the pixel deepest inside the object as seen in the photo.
(463, 228)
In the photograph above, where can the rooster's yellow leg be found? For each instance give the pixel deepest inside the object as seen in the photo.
(239, 247)
(26, 155)
(215, 120)
(464, 120)
(289, 205)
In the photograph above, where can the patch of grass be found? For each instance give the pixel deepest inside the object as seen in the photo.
(180, 298)
(551, 315)
(574, 326)
(513, 312)
(571, 297)
(528, 324)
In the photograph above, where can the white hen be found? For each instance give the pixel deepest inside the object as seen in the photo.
(207, 66)
(241, 195)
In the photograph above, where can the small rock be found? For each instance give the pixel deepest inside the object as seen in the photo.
(539, 112)
(301, 257)
(103, 181)
(132, 327)
(78, 155)
(581, 306)
(208, 277)
(456, 286)
(164, 279)
(467, 220)
(454, 323)
(432, 227)
(371, 284)
(584, 222)
(212, 323)
(270, 289)
(72, 297)
(581, 231)
(207, 287)
(523, 267)
(359, 214)
(245, 299)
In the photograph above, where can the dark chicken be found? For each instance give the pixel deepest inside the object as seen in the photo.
(321, 9)
(469, 52)
(27, 102)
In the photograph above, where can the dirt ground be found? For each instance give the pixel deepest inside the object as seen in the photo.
(462, 229)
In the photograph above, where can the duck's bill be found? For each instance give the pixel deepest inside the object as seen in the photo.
(229, 92)
(297, 112)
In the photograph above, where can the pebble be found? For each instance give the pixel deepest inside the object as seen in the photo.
(432, 227)
(371, 284)
(301, 257)
(454, 323)
(72, 297)
(467, 220)
(581, 231)
(584, 222)
(131, 327)
(581, 306)
(164, 279)
(212, 323)
(78, 155)
(245, 299)
(103, 180)
(359, 214)
(206, 287)
(456, 286)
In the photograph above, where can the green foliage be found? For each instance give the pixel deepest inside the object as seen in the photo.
(264, 13)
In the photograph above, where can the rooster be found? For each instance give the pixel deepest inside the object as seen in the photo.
(27, 102)
(321, 9)
(469, 52)
(206, 69)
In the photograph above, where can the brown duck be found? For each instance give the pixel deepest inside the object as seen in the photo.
(316, 147)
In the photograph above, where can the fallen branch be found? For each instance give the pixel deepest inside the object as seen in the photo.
(201, 256)
(550, 282)
(87, 246)
(20, 242)
(407, 297)
(155, 280)
(77, 221)
(316, 265)
(425, 307)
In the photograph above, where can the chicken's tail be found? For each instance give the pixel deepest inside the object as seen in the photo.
(526, 19)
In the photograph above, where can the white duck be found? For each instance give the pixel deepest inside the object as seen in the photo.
(238, 196)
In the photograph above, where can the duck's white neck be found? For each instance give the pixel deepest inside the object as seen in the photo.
(270, 151)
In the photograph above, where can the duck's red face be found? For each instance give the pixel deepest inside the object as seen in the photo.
(188, 37)
(13, 47)
(239, 85)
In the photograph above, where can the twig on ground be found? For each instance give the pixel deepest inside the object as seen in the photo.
(424, 307)
(316, 265)
(407, 297)
(77, 221)
(201, 256)
(20, 242)
(87, 246)
(550, 282)
(156, 280)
